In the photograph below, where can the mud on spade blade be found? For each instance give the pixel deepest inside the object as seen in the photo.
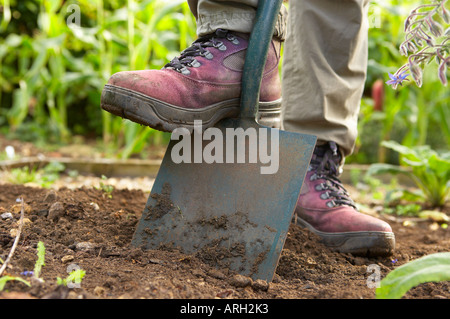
(229, 214)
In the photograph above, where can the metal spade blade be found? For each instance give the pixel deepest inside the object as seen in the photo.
(231, 200)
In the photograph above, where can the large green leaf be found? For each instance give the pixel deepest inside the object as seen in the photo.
(431, 268)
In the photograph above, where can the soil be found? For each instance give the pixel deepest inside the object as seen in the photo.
(90, 229)
(82, 226)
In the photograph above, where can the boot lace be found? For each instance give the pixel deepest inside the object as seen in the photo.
(325, 162)
(200, 48)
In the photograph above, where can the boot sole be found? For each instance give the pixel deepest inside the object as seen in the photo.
(360, 243)
(166, 117)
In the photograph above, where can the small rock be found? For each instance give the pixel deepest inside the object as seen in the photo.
(358, 261)
(260, 284)
(73, 295)
(310, 261)
(225, 293)
(51, 196)
(67, 258)
(310, 285)
(95, 206)
(99, 291)
(216, 274)
(84, 246)
(6, 216)
(155, 261)
(197, 273)
(42, 212)
(276, 279)
(56, 211)
(26, 222)
(16, 209)
(13, 232)
(240, 281)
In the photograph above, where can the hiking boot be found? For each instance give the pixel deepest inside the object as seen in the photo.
(325, 208)
(203, 83)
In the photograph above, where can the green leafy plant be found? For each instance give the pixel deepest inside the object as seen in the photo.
(105, 188)
(429, 170)
(431, 268)
(44, 177)
(52, 72)
(404, 210)
(75, 277)
(23, 175)
(40, 262)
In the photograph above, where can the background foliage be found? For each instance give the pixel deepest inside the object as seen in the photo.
(52, 74)
(410, 115)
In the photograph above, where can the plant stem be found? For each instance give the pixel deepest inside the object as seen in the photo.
(16, 240)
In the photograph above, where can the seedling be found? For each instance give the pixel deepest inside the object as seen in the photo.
(37, 269)
(41, 259)
(107, 189)
(5, 279)
(44, 177)
(75, 277)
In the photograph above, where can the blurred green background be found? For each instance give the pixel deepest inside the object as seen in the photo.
(52, 75)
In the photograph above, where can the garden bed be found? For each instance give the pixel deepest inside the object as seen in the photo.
(92, 231)
(93, 227)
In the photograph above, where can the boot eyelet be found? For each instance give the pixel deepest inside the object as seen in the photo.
(184, 71)
(331, 204)
(220, 46)
(233, 39)
(325, 195)
(321, 187)
(207, 55)
(194, 63)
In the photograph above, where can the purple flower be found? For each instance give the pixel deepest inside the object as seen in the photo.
(442, 69)
(27, 273)
(396, 79)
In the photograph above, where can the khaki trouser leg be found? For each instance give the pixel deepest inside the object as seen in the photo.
(325, 60)
(324, 70)
(237, 15)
